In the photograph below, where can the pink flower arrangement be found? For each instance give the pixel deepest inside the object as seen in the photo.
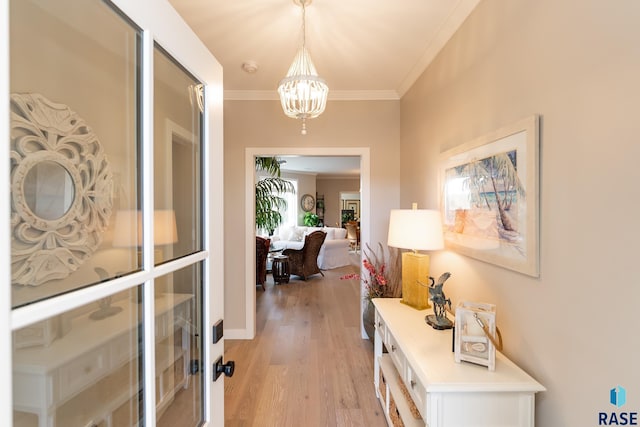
(378, 283)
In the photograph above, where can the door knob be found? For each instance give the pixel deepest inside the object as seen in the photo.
(223, 368)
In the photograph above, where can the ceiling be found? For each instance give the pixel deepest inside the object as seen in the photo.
(327, 166)
(364, 49)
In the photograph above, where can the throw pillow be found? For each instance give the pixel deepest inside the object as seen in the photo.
(297, 235)
(285, 232)
(340, 233)
(312, 229)
(330, 233)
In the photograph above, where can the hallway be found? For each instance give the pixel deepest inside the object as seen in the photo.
(307, 365)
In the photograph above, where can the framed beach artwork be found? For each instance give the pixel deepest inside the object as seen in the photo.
(489, 197)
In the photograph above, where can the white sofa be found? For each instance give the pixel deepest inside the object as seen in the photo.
(334, 252)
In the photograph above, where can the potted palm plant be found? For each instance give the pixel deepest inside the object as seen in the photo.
(269, 190)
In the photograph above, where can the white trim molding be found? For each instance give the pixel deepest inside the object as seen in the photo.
(335, 95)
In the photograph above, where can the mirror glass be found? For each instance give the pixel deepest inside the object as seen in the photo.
(49, 190)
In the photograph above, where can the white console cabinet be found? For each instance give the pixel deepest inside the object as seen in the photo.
(419, 383)
(85, 378)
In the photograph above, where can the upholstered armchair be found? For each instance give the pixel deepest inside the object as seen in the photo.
(262, 250)
(304, 262)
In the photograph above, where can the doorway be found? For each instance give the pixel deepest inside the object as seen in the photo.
(250, 154)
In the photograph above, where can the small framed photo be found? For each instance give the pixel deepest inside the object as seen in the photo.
(473, 322)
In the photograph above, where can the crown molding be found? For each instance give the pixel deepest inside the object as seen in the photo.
(335, 95)
(442, 36)
(329, 176)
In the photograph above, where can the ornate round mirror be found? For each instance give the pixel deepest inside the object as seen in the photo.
(49, 190)
(61, 189)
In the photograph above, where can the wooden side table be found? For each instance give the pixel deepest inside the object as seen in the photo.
(272, 253)
(280, 269)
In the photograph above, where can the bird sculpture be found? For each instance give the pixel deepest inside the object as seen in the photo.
(436, 294)
(105, 309)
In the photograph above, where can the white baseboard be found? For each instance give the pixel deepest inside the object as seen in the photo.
(237, 334)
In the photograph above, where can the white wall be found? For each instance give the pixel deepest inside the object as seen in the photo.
(577, 64)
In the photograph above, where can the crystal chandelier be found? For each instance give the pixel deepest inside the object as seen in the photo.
(303, 93)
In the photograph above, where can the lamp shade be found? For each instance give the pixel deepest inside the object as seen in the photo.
(128, 228)
(416, 229)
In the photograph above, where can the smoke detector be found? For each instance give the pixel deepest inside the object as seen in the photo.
(250, 66)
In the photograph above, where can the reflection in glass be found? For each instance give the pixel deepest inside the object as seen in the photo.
(128, 231)
(88, 61)
(76, 370)
(48, 190)
(179, 385)
(177, 152)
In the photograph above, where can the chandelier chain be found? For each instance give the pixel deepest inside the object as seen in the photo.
(304, 26)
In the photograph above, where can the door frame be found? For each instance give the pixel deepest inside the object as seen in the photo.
(250, 175)
(159, 23)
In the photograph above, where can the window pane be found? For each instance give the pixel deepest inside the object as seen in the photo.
(291, 218)
(177, 133)
(80, 368)
(74, 142)
(178, 348)
(290, 213)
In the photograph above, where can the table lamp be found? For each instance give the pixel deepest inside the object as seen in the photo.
(128, 230)
(128, 234)
(415, 229)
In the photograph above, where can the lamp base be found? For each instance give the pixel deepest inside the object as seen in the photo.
(439, 323)
(414, 305)
(415, 269)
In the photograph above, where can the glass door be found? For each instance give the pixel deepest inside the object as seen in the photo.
(177, 149)
(115, 262)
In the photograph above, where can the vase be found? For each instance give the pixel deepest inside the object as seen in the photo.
(368, 319)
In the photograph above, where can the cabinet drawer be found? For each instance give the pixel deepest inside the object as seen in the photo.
(122, 349)
(396, 354)
(182, 312)
(82, 371)
(380, 326)
(162, 326)
(417, 391)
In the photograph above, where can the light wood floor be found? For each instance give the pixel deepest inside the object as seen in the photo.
(308, 365)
